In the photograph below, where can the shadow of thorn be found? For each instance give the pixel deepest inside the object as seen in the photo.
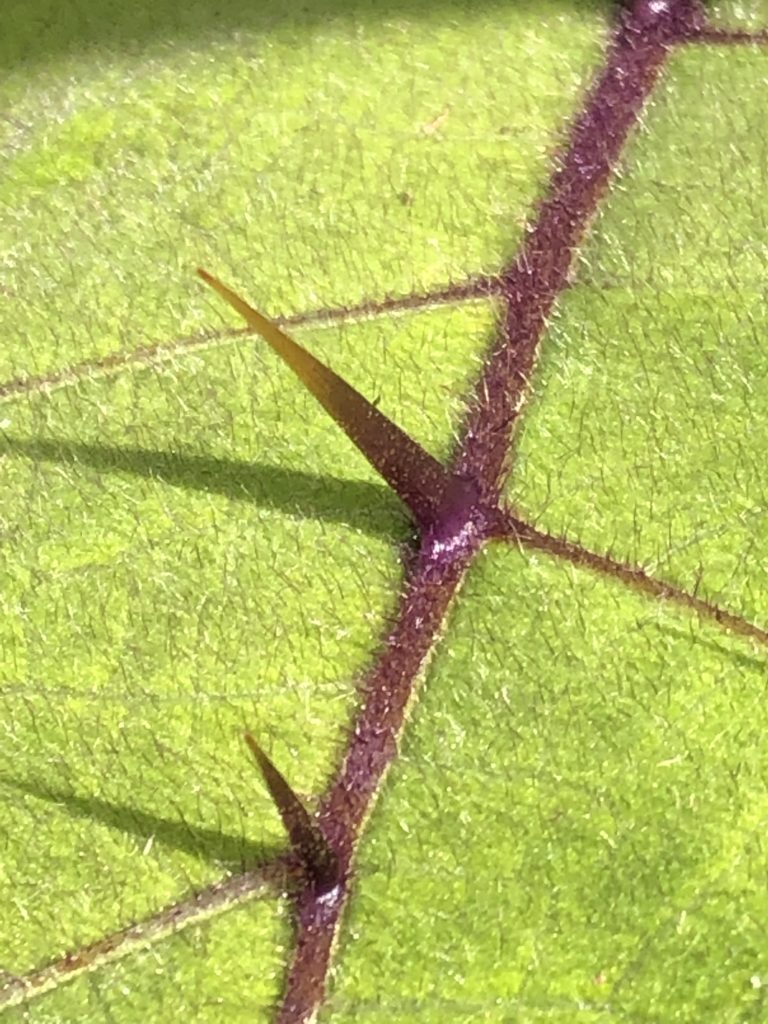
(741, 658)
(206, 844)
(369, 507)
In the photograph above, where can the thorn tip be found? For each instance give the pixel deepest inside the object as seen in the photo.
(430, 491)
(307, 838)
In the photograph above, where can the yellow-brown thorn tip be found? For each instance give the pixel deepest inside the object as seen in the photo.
(422, 482)
(307, 838)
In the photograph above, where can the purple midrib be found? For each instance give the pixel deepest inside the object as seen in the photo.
(530, 287)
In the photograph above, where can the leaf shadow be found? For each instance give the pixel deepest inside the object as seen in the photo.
(744, 659)
(42, 31)
(369, 507)
(206, 844)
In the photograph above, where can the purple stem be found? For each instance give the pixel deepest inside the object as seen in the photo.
(645, 34)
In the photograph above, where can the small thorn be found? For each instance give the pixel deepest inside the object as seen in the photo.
(423, 483)
(320, 861)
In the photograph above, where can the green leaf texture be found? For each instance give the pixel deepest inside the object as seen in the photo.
(574, 827)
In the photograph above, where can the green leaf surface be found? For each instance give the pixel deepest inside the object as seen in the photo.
(751, 15)
(574, 827)
(204, 974)
(648, 423)
(175, 576)
(316, 158)
(576, 824)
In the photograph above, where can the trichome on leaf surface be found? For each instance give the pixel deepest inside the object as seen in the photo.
(457, 509)
(455, 522)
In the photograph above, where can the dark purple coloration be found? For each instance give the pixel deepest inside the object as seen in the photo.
(436, 498)
(321, 865)
(518, 532)
(531, 285)
(729, 36)
(372, 748)
(467, 518)
(481, 286)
